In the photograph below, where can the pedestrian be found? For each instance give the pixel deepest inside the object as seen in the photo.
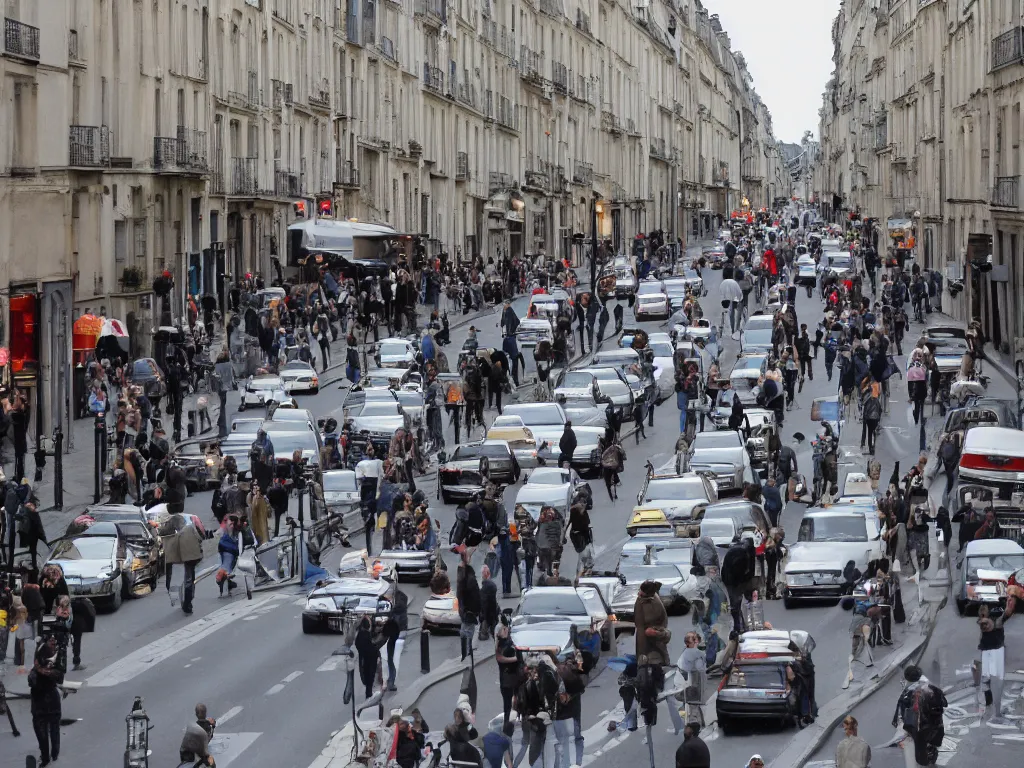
(871, 410)
(468, 593)
(183, 543)
(949, 459)
(772, 500)
(639, 414)
(506, 560)
(30, 524)
(738, 567)
(396, 623)
(991, 619)
(497, 383)
(803, 353)
(566, 445)
(774, 556)
(228, 550)
(54, 586)
(508, 672)
(352, 365)
(368, 652)
(581, 535)
(549, 539)
(652, 636)
(852, 751)
(568, 711)
(692, 665)
(489, 610)
(920, 707)
(788, 468)
(44, 684)
(693, 752)
(277, 498)
(612, 463)
(369, 472)
(19, 417)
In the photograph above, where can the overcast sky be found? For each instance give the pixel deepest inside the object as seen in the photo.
(788, 47)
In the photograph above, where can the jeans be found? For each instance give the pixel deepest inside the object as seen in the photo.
(47, 728)
(533, 740)
(563, 732)
(871, 428)
(830, 360)
(734, 314)
(188, 586)
(682, 401)
(222, 417)
(735, 605)
(806, 368)
(392, 671)
(466, 632)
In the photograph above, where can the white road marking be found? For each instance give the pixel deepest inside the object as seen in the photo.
(332, 663)
(227, 747)
(274, 689)
(134, 664)
(292, 676)
(228, 715)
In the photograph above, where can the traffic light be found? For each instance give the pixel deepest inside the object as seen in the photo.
(325, 207)
(299, 207)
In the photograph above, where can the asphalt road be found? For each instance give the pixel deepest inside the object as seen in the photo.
(256, 671)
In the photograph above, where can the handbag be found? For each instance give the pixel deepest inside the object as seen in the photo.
(896, 568)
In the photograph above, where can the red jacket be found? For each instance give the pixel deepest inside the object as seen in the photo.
(770, 262)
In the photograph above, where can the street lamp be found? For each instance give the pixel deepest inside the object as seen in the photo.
(136, 748)
(596, 208)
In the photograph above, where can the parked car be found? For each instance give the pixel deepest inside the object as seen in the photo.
(337, 604)
(532, 331)
(979, 412)
(744, 378)
(340, 490)
(547, 420)
(682, 497)
(201, 463)
(827, 540)
(675, 289)
(658, 547)
(671, 576)
(109, 561)
(262, 389)
(299, 376)
(472, 465)
(746, 516)
(993, 457)
(652, 306)
(987, 566)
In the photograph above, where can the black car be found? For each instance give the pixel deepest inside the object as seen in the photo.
(147, 375)
(472, 466)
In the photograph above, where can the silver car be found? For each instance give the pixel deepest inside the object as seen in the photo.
(379, 418)
(558, 607)
(395, 353)
(756, 336)
(672, 577)
(299, 376)
(340, 490)
(262, 389)
(723, 454)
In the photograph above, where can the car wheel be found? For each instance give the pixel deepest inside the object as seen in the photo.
(961, 606)
(315, 391)
(241, 407)
(310, 626)
(725, 725)
(789, 602)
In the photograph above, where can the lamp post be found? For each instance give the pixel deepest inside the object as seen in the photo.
(136, 748)
(595, 209)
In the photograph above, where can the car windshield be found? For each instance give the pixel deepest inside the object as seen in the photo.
(840, 261)
(677, 288)
(246, 426)
(339, 481)
(749, 364)
(491, 451)
(285, 443)
(759, 322)
(962, 417)
(676, 489)
(613, 388)
(549, 476)
(265, 382)
(544, 602)
(613, 358)
(662, 349)
(298, 365)
(948, 345)
(85, 548)
(576, 380)
(718, 439)
(537, 416)
(833, 528)
(758, 336)
(144, 369)
(393, 348)
(718, 529)
(1003, 563)
(655, 298)
(636, 574)
(379, 408)
(647, 289)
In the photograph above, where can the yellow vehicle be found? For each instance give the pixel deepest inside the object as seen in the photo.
(519, 437)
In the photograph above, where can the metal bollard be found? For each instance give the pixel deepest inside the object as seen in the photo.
(424, 651)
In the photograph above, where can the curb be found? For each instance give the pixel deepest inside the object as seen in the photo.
(797, 756)
(416, 691)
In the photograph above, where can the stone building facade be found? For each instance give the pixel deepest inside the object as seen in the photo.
(922, 119)
(152, 135)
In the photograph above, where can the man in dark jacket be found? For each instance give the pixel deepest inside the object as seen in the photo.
(581, 319)
(651, 621)
(693, 752)
(568, 712)
(509, 320)
(467, 591)
(488, 604)
(19, 432)
(737, 571)
(567, 444)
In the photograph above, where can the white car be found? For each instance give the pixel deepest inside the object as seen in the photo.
(440, 612)
(395, 353)
(533, 330)
(300, 376)
(664, 363)
(340, 489)
(262, 389)
(652, 306)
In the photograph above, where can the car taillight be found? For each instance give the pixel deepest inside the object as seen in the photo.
(993, 463)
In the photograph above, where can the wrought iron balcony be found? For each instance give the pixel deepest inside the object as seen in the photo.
(538, 180)
(386, 46)
(462, 166)
(320, 100)
(553, 8)
(508, 114)
(348, 174)
(243, 100)
(185, 152)
(583, 174)
(435, 11)
(560, 77)
(583, 21)
(288, 94)
(21, 39)
(657, 150)
(287, 184)
(1007, 48)
(1005, 192)
(88, 146)
(531, 63)
(433, 78)
(611, 123)
(466, 94)
(498, 182)
(507, 44)
(244, 176)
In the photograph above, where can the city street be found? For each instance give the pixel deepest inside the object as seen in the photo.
(255, 670)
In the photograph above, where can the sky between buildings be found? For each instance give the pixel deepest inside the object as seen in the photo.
(788, 47)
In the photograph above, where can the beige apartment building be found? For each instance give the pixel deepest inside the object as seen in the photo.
(922, 119)
(151, 135)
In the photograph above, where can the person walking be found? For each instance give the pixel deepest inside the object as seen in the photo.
(612, 463)
(352, 365)
(871, 410)
(803, 353)
(508, 672)
(693, 752)
(276, 498)
(920, 707)
(732, 295)
(368, 473)
(19, 416)
(397, 623)
(566, 445)
(183, 543)
(368, 652)
(852, 751)
(568, 712)
(652, 655)
(582, 537)
(467, 591)
(738, 567)
(44, 684)
(489, 610)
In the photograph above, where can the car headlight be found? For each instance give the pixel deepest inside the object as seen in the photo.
(320, 604)
(210, 462)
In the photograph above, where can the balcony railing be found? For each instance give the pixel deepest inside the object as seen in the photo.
(1004, 193)
(560, 77)
(244, 176)
(553, 8)
(489, 103)
(186, 152)
(88, 146)
(462, 166)
(433, 78)
(657, 149)
(21, 39)
(583, 21)
(434, 10)
(539, 180)
(289, 94)
(466, 93)
(583, 174)
(498, 182)
(531, 63)
(386, 46)
(320, 100)
(277, 93)
(508, 114)
(1007, 48)
(611, 123)
(507, 43)
(243, 100)
(348, 174)
(287, 184)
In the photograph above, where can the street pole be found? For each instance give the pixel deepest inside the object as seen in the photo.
(58, 468)
(593, 244)
(99, 435)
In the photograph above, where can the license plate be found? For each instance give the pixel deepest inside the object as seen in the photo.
(760, 694)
